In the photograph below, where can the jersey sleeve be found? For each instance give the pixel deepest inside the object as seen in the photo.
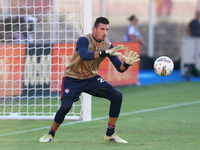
(116, 61)
(82, 48)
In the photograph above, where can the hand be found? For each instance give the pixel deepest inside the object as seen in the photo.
(131, 59)
(113, 51)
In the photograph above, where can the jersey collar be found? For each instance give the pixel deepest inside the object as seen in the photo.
(96, 39)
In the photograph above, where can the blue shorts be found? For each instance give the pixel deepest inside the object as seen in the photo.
(72, 88)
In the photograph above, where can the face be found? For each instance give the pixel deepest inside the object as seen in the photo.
(134, 21)
(101, 31)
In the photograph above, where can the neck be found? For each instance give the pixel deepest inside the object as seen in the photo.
(95, 38)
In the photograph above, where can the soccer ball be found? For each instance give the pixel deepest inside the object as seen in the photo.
(163, 66)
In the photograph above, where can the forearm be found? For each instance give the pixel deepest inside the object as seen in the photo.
(87, 55)
(118, 64)
(96, 55)
(122, 68)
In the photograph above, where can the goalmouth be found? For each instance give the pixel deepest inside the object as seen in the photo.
(31, 68)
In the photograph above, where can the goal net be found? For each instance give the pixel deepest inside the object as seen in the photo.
(37, 39)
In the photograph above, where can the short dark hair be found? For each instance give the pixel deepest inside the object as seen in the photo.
(132, 17)
(101, 20)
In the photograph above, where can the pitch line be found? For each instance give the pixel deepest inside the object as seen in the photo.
(105, 117)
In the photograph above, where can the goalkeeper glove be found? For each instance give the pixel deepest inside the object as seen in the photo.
(112, 51)
(131, 59)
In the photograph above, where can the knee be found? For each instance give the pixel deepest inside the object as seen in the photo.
(119, 97)
(66, 105)
(115, 96)
(65, 108)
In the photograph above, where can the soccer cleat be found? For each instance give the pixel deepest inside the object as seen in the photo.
(46, 138)
(114, 138)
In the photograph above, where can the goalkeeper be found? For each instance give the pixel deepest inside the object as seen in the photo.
(81, 76)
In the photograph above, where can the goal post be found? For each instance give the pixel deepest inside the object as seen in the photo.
(87, 28)
(34, 54)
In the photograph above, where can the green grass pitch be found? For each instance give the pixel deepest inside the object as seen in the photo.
(145, 123)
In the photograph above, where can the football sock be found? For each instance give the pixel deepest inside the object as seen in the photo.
(110, 129)
(52, 132)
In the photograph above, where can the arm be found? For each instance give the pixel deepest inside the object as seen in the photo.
(128, 61)
(118, 64)
(82, 48)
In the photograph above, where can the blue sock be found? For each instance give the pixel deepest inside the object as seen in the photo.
(52, 132)
(110, 129)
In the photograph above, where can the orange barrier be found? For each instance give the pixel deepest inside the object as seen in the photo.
(11, 69)
(12, 59)
(109, 73)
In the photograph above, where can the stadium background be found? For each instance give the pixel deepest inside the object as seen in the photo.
(157, 125)
(171, 28)
(169, 31)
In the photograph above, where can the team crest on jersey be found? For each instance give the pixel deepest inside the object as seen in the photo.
(66, 90)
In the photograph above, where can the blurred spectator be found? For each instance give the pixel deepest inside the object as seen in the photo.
(193, 28)
(26, 27)
(132, 34)
(163, 8)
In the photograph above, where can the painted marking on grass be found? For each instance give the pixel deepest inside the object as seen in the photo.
(184, 111)
(105, 117)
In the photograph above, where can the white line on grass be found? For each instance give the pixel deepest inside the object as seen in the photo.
(105, 117)
(184, 111)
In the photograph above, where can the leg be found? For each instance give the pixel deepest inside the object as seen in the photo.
(65, 107)
(101, 88)
(67, 99)
(112, 120)
(115, 98)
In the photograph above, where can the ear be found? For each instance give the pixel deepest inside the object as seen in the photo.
(94, 29)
